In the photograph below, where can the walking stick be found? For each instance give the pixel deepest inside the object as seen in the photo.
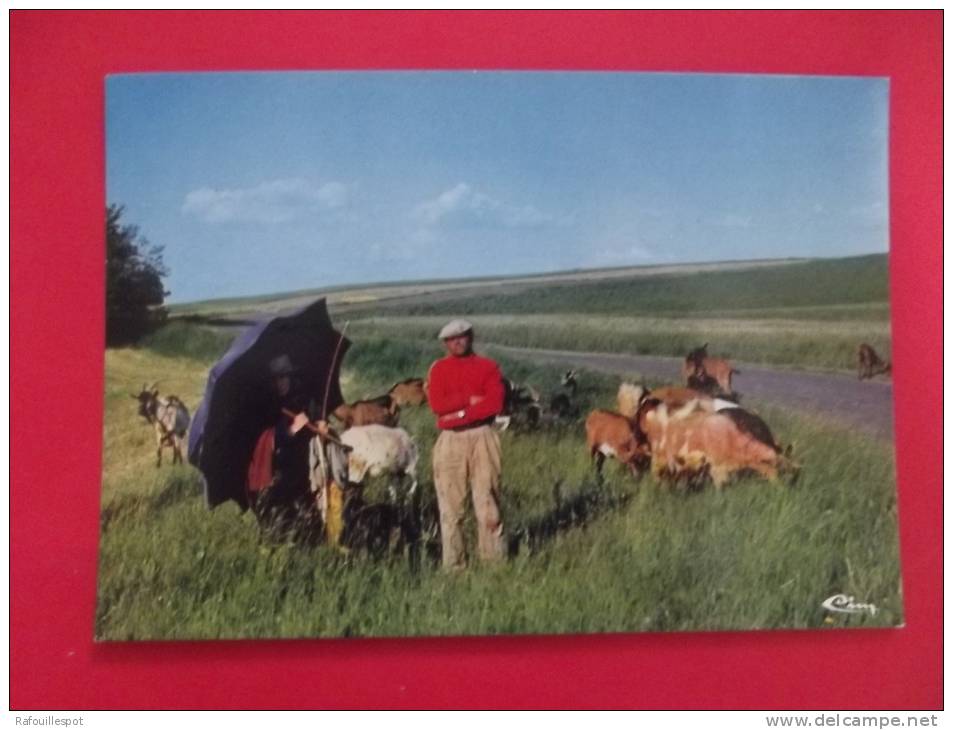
(334, 360)
(332, 528)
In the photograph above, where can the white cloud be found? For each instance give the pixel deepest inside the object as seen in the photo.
(334, 194)
(274, 201)
(462, 204)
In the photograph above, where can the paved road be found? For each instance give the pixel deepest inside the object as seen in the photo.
(867, 405)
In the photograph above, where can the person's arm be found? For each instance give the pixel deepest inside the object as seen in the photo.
(299, 421)
(491, 403)
(442, 402)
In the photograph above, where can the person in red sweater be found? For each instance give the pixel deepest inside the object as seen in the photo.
(465, 392)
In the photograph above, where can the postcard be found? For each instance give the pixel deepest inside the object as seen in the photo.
(479, 353)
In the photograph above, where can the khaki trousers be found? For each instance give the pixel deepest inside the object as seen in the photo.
(461, 457)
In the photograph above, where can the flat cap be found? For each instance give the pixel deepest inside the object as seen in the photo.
(454, 328)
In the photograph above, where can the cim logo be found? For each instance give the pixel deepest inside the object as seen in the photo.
(842, 603)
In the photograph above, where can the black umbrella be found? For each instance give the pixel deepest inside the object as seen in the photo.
(239, 400)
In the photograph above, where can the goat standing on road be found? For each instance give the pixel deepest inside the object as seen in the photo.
(869, 363)
(168, 416)
(711, 375)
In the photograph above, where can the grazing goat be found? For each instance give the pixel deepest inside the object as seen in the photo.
(375, 450)
(168, 416)
(519, 402)
(613, 434)
(869, 363)
(569, 382)
(697, 444)
(562, 404)
(410, 392)
(351, 522)
(682, 401)
(381, 410)
(709, 374)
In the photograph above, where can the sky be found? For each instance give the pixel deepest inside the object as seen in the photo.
(266, 182)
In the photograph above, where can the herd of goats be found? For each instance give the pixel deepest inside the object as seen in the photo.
(688, 433)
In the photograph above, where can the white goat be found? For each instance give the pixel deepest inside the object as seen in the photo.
(376, 450)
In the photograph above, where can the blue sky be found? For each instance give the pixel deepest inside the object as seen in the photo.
(270, 182)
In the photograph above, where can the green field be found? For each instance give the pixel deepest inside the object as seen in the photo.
(637, 556)
(390, 289)
(810, 314)
(860, 280)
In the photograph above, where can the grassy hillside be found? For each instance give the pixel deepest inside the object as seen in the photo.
(804, 314)
(382, 290)
(643, 557)
(820, 283)
(808, 314)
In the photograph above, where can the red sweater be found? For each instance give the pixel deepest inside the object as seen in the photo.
(454, 380)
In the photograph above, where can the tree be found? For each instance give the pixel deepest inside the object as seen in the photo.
(134, 272)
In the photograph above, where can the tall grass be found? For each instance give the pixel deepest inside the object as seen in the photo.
(645, 558)
(818, 344)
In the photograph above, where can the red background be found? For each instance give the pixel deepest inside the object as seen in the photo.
(58, 61)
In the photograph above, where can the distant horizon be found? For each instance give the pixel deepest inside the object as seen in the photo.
(337, 288)
(283, 181)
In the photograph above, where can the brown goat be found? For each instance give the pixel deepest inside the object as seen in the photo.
(709, 374)
(675, 396)
(869, 363)
(612, 434)
(699, 444)
(410, 392)
(367, 412)
(631, 397)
